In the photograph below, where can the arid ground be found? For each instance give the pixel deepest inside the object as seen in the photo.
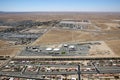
(106, 22)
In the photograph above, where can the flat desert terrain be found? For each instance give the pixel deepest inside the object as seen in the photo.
(3, 43)
(9, 51)
(108, 23)
(58, 36)
(61, 36)
(115, 46)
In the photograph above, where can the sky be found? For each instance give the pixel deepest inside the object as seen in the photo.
(60, 5)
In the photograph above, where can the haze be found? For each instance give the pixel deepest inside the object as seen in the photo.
(60, 5)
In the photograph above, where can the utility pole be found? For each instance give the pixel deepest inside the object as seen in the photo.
(79, 73)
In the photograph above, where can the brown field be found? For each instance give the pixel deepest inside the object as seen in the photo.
(3, 43)
(108, 26)
(114, 45)
(102, 20)
(4, 27)
(9, 51)
(46, 16)
(59, 36)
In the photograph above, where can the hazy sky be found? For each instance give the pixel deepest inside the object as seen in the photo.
(60, 5)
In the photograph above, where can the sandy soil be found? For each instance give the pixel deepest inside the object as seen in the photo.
(108, 26)
(9, 51)
(4, 27)
(59, 36)
(101, 50)
(114, 45)
(3, 43)
(46, 16)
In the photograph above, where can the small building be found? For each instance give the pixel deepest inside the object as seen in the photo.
(56, 49)
(48, 49)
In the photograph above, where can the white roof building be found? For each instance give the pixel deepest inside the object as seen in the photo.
(48, 49)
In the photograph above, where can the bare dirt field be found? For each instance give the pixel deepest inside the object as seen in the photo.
(108, 26)
(9, 51)
(103, 20)
(59, 36)
(114, 45)
(46, 16)
(101, 50)
(3, 43)
(4, 27)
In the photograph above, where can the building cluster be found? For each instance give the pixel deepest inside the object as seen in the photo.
(64, 70)
(75, 24)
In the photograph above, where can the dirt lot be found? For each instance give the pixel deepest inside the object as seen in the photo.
(108, 26)
(4, 27)
(114, 45)
(9, 51)
(101, 50)
(59, 36)
(3, 43)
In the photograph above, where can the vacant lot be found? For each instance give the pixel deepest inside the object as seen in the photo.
(9, 51)
(3, 43)
(114, 45)
(108, 26)
(59, 36)
(4, 27)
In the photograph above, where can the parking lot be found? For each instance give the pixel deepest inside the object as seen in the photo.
(68, 49)
(61, 50)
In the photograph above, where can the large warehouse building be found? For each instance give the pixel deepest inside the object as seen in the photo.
(75, 24)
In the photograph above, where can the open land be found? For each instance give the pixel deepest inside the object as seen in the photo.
(50, 45)
(9, 51)
(114, 45)
(107, 23)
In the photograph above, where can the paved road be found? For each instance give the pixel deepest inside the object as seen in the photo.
(103, 70)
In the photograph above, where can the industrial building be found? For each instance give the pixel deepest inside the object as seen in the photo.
(75, 24)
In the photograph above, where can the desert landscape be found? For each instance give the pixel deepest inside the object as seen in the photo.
(58, 39)
(105, 22)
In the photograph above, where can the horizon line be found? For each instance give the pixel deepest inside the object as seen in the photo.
(59, 11)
